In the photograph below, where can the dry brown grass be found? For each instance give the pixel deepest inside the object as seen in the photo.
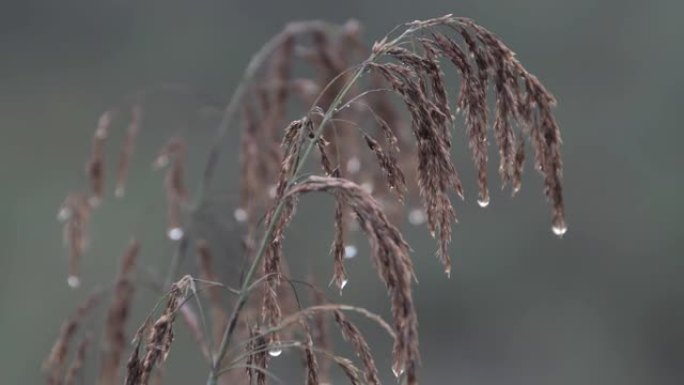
(380, 122)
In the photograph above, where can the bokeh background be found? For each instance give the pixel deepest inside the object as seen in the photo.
(604, 305)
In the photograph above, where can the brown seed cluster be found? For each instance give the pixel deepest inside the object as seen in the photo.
(75, 213)
(158, 339)
(54, 363)
(172, 156)
(390, 256)
(76, 366)
(127, 148)
(117, 315)
(257, 359)
(375, 155)
(352, 335)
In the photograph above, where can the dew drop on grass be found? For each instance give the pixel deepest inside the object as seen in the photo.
(63, 214)
(417, 217)
(350, 251)
(559, 229)
(483, 202)
(175, 233)
(73, 281)
(240, 214)
(397, 371)
(275, 352)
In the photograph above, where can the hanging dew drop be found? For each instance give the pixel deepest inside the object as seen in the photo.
(397, 371)
(417, 217)
(343, 284)
(240, 214)
(175, 233)
(350, 251)
(63, 214)
(161, 162)
(74, 282)
(559, 229)
(483, 202)
(275, 352)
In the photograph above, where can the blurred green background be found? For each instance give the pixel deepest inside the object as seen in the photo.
(604, 305)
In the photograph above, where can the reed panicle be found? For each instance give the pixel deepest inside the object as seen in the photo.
(75, 213)
(159, 337)
(55, 361)
(76, 366)
(375, 155)
(117, 315)
(127, 149)
(352, 335)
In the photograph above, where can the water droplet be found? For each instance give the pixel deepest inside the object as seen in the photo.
(559, 229)
(343, 284)
(353, 165)
(175, 233)
(275, 352)
(417, 217)
(483, 202)
(240, 214)
(350, 251)
(447, 271)
(73, 281)
(397, 371)
(161, 162)
(63, 214)
(367, 187)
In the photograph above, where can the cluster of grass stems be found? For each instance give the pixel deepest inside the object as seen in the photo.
(375, 160)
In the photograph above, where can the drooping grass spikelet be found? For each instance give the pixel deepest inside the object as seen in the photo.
(75, 213)
(117, 315)
(352, 335)
(76, 366)
(126, 151)
(173, 155)
(390, 256)
(337, 248)
(159, 337)
(310, 360)
(389, 164)
(95, 165)
(54, 363)
(436, 172)
(351, 371)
